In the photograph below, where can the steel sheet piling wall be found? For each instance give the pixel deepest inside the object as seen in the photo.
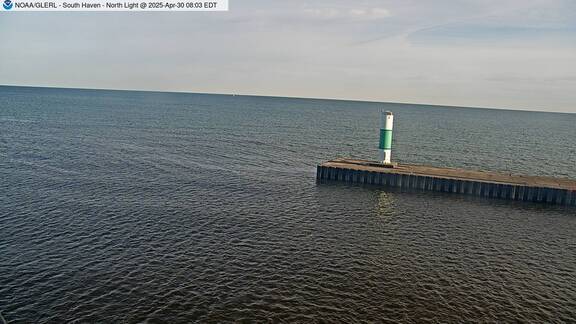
(467, 187)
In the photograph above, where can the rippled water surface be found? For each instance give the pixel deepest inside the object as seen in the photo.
(135, 207)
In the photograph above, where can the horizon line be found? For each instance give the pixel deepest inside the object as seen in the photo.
(286, 97)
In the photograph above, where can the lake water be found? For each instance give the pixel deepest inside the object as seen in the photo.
(129, 207)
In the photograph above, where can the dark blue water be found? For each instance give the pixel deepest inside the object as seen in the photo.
(136, 207)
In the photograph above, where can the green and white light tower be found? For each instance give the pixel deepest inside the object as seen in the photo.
(386, 125)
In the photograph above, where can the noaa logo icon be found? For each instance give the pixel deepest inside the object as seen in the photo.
(8, 4)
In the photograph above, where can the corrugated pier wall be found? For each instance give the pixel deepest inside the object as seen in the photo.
(389, 178)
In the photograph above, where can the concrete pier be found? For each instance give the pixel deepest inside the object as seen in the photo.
(458, 181)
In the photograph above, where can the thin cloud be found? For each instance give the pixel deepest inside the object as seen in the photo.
(353, 14)
(459, 52)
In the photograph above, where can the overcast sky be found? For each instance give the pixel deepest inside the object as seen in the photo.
(518, 54)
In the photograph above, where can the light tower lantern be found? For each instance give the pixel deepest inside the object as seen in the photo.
(386, 125)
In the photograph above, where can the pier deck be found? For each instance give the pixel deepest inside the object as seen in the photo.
(478, 183)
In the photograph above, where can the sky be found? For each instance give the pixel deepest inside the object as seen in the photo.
(512, 54)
